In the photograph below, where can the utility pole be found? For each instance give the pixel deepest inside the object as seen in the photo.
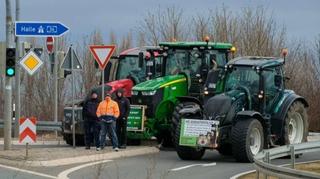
(55, 76)
(8, 82)
(17, 79)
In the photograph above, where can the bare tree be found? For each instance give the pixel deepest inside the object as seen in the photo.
(201, 26)
(164, 25)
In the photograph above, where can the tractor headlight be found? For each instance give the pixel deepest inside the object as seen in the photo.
(135, 92)
(149, 93)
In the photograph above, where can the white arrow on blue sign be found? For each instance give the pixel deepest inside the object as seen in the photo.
(40, 29)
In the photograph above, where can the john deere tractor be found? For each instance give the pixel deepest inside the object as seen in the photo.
(255, 111)
(182, 80)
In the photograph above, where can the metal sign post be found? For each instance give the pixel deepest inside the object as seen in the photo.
(72, 93)
(102, 84)
(71, 62)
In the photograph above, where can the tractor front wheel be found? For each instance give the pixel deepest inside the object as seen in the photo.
(187, 153)
(247, 139)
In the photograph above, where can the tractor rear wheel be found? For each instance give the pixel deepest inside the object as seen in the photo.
(296, 125)
(79, 139)
(225, 149)
(247, 139)
(187, 153)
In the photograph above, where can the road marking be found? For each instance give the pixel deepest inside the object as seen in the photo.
(28, 171)
(64, 174)
(193, 165)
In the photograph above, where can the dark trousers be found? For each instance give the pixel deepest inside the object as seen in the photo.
(92, 131)
(122, 131)
(111, 129)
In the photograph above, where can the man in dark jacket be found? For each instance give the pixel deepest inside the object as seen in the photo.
(124, 107)
(91, 121)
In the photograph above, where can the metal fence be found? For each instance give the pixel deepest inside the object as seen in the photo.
(43, 125)
(263, 165)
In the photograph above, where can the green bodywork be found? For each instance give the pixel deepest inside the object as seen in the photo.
(165, 90)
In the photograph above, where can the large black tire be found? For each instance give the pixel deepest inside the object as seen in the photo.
(241, 137)
(133, 141)
(296, 109)
(187, 153)
(165, 138)
(225, 149)
(79, 139)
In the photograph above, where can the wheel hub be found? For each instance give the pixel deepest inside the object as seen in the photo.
(295, 129)
(255, 141)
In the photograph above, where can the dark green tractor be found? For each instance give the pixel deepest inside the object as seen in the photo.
(254, 112)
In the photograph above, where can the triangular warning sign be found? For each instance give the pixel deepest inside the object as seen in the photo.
(67, 64)
(102, 54)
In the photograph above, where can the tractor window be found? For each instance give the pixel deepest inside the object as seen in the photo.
(242, 77)
(176, 62)
(158, 61)
(271, 90)
(220, 58)
(129, 67)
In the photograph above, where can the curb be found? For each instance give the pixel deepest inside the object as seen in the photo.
(93, 158)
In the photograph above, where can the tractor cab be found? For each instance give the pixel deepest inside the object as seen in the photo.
(135, 66)
(260, 78)
(195, 60)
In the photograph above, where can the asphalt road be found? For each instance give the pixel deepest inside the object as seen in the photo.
(163, 165)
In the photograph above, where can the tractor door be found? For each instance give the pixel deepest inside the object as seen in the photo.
(273, 87)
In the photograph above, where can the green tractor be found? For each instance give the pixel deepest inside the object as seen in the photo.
(254, 112)
(183, 76)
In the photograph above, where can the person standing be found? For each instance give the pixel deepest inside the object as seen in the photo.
(108, 112)
(124, 107)
(91, 123)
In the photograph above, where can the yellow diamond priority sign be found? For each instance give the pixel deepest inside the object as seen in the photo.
(31, 62)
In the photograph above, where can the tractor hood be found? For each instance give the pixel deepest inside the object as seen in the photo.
(126, 84)
(224, 107)
(160, 82)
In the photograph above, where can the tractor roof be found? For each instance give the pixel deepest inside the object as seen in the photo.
(262, 62)
(214, 45)
(137, 50)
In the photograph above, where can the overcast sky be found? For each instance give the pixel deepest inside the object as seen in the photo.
(301, 18)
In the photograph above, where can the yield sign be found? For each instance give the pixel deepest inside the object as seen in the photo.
(27, 130)
(102, 54)
(31, 62)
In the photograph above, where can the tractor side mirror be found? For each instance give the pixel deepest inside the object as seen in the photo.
(141, 59)
(278, 80)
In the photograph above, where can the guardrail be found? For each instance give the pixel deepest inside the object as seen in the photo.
(263, 165)
(42, 125)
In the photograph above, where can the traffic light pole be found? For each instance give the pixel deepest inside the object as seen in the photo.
(8, 82)
(17, 77)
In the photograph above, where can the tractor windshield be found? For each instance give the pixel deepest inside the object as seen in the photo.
(239, 77)
(192, 61)
(129, 67)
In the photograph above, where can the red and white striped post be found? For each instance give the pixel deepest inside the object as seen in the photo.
(27, 131)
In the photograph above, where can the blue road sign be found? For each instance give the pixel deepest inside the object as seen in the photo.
(40, 29)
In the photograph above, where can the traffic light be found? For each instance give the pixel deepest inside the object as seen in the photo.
(10, 62)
